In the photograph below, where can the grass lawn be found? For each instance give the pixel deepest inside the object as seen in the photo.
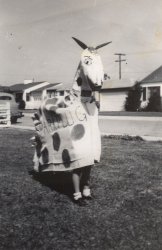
(36, 212)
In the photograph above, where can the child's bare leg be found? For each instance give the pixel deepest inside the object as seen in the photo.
(86, 176)
(86, 181)
(76, 176)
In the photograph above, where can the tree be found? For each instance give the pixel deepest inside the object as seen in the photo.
(22, 104)
(133, 99)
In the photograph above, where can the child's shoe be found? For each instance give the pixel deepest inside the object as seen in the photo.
(87, 194)
(78, 199)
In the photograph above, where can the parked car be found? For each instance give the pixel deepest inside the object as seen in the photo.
(15, 112)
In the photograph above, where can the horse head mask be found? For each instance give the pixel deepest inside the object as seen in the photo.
(91, 65)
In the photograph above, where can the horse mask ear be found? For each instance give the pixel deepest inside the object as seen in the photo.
(102, 45)
(84, 46)
(81, 44)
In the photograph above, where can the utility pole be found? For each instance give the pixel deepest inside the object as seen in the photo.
(120, 61)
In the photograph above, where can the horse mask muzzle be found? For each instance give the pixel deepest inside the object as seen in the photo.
(92, 68)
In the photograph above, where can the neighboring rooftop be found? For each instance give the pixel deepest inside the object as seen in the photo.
(4, 88)
(155, 76)
(117, 84)
(51, 86)
(23, 86)
(64, 87)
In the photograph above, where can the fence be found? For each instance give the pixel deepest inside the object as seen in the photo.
(5, 114)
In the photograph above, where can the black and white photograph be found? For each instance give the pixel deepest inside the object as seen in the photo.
(80, 125)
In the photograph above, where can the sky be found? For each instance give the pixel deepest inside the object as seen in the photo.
(36, 38)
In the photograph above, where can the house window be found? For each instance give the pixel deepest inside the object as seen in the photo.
(150, 91)
(144, 94)
(154, 91)
(62, 93)
(59, 93)
(37, 95)
(51, 93)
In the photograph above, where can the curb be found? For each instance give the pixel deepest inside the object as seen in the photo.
(23, 127)
(144, 137)
(131, 118)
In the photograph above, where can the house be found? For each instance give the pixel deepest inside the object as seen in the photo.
(31, 92)
(113, 94)
(152, 84)
(58, 90)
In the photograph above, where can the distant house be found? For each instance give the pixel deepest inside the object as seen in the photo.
(31, 92)
(52, 91)
(113, 94)
(152, 84)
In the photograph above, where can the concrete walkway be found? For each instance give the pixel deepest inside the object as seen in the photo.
(147, 127)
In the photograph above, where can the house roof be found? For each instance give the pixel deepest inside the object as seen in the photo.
(117, 84)
(63, 87)
(155, 76)
(22, 86)
(4, 88)
(50, 86)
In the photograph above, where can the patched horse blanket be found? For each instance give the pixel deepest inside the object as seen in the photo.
(67, 134)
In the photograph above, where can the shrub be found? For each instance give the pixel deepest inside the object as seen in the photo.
(133, 99)
(22, 104)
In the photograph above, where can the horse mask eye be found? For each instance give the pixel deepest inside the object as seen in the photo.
(88, 60)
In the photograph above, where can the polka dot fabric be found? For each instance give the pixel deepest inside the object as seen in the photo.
(67, 137)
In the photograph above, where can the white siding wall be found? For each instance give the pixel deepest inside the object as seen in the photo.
(112, 101)
(35, 98)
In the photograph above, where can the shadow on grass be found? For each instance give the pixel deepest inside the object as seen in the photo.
(60, 182)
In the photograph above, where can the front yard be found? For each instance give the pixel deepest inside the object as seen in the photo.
(37, 212)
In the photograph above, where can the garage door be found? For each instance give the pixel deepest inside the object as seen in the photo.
(112, 101)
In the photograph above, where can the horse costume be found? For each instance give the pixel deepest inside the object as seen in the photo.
(67, 132)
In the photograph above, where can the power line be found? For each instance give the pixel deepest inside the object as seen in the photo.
(120, 61)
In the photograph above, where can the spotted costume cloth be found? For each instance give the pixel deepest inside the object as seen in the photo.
(67, 134)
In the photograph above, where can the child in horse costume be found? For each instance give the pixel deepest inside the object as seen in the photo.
(68, 136)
